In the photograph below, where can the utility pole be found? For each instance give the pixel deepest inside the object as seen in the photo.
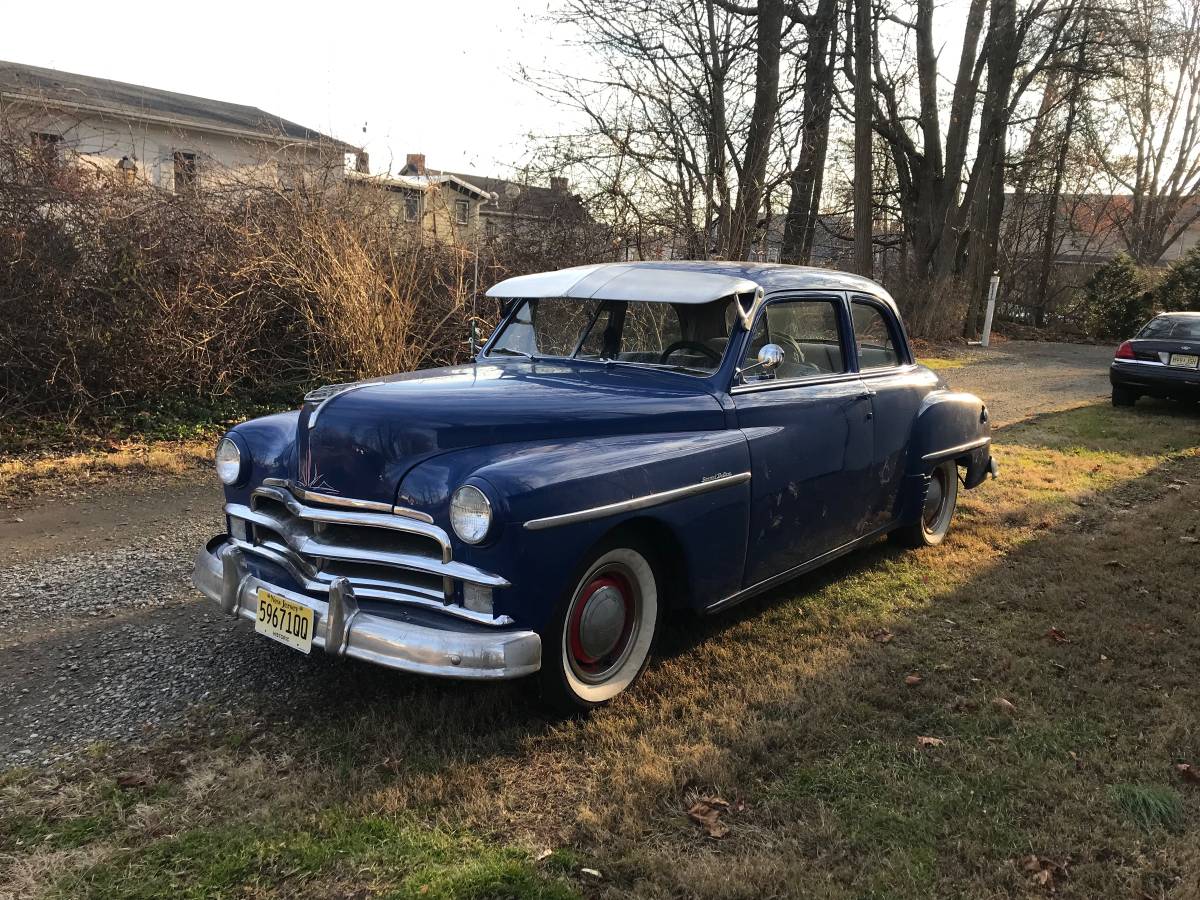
(863, 103)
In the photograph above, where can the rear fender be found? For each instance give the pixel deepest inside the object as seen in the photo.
(950, 426)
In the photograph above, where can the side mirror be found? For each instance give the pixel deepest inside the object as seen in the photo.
(770, 357)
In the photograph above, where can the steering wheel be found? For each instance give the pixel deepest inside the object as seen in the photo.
(802, 364)
(702, 349)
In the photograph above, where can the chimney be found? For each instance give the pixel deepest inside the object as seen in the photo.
(415, 163)
(558, 184)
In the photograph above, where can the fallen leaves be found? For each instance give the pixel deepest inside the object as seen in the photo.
(925, 741)
(882, 636)
(1057, 635)
(1005, 706)
(913, 680)
(131, 780)
(1043, 871)
(1188, 772)
(706, 812)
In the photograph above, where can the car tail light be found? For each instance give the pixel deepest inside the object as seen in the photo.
(1125, 351)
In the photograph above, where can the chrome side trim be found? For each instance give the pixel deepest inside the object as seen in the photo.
(1145, 362)
(612, 509)
(954, 451)
(336, 517)
(767, 583)
(349, 502)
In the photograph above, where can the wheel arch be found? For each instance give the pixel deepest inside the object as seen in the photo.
(664, 550)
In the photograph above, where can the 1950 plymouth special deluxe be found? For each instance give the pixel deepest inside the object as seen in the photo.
(633, 439)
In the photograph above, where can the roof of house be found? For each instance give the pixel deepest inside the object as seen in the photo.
(517, 198)
(418, 182)
(85, 93)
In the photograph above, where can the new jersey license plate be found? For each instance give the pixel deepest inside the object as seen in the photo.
(1187, 360)
(284, 620)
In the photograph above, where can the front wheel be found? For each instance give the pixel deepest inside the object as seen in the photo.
(940, 500)
(602, 636)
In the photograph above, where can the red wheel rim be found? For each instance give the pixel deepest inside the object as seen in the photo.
(592, 651)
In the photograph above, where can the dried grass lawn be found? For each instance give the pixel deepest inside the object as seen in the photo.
(1003, 716)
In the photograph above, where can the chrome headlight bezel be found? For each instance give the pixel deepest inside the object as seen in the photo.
(232, 461)
(471, 514)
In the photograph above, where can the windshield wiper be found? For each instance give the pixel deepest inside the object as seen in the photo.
(510, 352)
(670, 367)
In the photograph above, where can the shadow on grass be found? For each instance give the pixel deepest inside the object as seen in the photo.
(797, 703)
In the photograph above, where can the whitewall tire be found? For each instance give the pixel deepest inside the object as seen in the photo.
(604, 632)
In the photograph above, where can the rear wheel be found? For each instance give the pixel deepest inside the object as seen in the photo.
(1122, 396)
(602, 636)
(940, 500)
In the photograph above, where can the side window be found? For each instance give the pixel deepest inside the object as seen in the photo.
(807, 331)
(873, 337)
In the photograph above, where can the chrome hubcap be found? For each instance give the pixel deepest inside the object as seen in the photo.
(601, 625)
(602, 621)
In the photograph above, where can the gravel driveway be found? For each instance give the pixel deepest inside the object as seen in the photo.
(105, 639)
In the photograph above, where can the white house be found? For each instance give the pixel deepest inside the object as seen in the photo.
(174, 141)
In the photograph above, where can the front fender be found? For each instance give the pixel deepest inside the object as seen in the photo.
(271, 442)
(538, 481)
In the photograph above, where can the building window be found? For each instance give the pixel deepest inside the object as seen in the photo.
(462, 210)
(412, 207)
(45, 146)
(187, 172)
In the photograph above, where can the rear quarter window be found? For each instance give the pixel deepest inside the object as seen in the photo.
(875, 336)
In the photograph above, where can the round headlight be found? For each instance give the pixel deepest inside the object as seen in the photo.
(229, 461)
(470, 514)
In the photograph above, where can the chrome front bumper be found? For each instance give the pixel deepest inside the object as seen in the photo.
(343, 629)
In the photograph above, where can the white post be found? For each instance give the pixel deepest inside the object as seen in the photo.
(993, 286)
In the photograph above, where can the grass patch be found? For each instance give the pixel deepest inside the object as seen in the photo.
(938, 363)
(165, 437)
(247, 858)
(1053, 637)
(1150, 806)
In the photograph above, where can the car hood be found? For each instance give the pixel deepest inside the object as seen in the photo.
(362, 440)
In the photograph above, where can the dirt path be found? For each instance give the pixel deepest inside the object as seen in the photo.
(105, 638)
(1019, 379)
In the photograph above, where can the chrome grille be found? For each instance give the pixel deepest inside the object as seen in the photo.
(385, 556)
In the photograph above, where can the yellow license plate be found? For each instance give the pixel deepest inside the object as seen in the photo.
(1188, 360)
(284, 620)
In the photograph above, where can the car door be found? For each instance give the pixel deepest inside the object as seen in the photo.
(807, 424)
(897, 388)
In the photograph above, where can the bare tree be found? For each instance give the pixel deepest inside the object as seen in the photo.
(1145, 123)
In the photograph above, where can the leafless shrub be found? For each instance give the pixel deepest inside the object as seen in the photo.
(114, 292)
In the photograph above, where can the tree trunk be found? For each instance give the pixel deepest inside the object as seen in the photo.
(769, 31)
(807, 179)
(863, 106)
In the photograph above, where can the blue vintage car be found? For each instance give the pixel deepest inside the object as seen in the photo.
(633, 440)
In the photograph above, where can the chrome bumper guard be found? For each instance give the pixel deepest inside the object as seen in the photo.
(345, 630)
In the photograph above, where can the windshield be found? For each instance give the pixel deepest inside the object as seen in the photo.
(1182, 328)
(688, 338)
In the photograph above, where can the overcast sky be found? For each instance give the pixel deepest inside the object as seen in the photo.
(435, 76)
(438, 77)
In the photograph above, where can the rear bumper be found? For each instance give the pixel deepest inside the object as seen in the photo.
(343, 629)
(1154, 378)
